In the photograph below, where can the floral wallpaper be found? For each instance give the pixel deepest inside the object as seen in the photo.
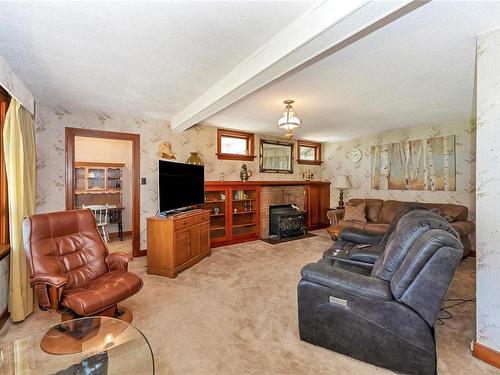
(488, 190)
(338, 162)
(13, 85)
(50, 124)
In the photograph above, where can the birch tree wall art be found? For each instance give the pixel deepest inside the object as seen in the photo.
(423, 164)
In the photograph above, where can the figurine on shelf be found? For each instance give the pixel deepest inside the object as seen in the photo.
(216, 210)
(166, 151)
(221, 177)
(245, 173)
(307, 175)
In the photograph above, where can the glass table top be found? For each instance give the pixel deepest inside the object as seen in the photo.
(86, 346)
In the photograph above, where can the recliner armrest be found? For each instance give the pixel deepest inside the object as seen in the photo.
(117, 261)
(48, 290)
(368, 254)
(348, 282)
(56, 281)
(360, 236)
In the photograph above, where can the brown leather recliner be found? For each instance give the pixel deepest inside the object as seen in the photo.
(70, 267)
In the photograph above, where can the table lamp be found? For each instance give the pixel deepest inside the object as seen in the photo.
(341, 183)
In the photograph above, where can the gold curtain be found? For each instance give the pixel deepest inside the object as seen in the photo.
(20, 163)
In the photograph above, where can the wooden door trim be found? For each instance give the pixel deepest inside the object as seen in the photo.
(70, 134)
(486, 354)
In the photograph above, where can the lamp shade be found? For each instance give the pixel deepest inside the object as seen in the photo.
(341, 182)
(290, 120)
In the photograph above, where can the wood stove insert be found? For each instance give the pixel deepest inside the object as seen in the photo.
(286, 221)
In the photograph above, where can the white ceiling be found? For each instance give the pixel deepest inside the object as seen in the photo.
(142, 59)
(151, 59)
(418, 70)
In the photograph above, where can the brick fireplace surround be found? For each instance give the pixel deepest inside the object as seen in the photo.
(271, 195)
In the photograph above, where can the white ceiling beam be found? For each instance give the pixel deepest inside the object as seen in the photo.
(326, 27)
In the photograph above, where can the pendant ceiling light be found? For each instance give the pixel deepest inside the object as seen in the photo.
(289, 121)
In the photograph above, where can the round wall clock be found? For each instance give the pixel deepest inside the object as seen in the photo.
(355, 155)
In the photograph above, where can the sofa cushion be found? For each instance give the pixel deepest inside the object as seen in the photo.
(355, 212)
(373, 207)
(451, 212)
(389, 210)
(351, 224)
(463, 228)
(101, 293)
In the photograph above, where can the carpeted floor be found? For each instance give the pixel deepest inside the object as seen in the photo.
(236, 313)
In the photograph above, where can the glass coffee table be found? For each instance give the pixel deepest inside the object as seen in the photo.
(86, 346)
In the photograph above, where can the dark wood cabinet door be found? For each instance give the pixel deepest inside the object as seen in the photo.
(318, 202)
(324, 205)
(182, 245)
(313, 206)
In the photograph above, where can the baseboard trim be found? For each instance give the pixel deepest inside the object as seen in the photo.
(117, 234)
(488, 355)
(3, 318)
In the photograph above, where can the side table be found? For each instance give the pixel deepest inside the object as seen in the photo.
(334, 231)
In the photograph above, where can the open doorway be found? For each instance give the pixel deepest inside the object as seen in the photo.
(103, 169)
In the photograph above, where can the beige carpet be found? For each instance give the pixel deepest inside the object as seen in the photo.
(236, 313)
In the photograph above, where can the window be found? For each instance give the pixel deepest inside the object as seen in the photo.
(230, 145)
(309, 153)
(234, 145)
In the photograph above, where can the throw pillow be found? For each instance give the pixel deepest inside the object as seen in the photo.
(355, 213)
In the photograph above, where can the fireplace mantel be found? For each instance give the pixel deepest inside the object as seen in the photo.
(268, 183)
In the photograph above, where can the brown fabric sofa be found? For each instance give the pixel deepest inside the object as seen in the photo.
(380, 213)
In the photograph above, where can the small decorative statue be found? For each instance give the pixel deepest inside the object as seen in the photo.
(166, 151)
(245, 173)
(221, 178)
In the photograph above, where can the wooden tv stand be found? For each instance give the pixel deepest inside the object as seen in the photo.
(177, 242)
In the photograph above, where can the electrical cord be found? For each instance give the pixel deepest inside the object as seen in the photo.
(145, 229)
(448, 314)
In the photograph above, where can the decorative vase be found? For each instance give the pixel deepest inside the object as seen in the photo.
(194, 159)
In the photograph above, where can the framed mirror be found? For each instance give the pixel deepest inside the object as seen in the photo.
(276, 156)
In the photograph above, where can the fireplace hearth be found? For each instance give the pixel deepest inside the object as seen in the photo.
(286, 221)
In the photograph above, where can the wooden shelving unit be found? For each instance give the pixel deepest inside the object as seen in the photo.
(234, 213)
(98, 183)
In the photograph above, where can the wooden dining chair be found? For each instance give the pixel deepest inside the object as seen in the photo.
(102, 218)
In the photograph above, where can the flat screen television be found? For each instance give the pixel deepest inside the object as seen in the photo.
(180, 185)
